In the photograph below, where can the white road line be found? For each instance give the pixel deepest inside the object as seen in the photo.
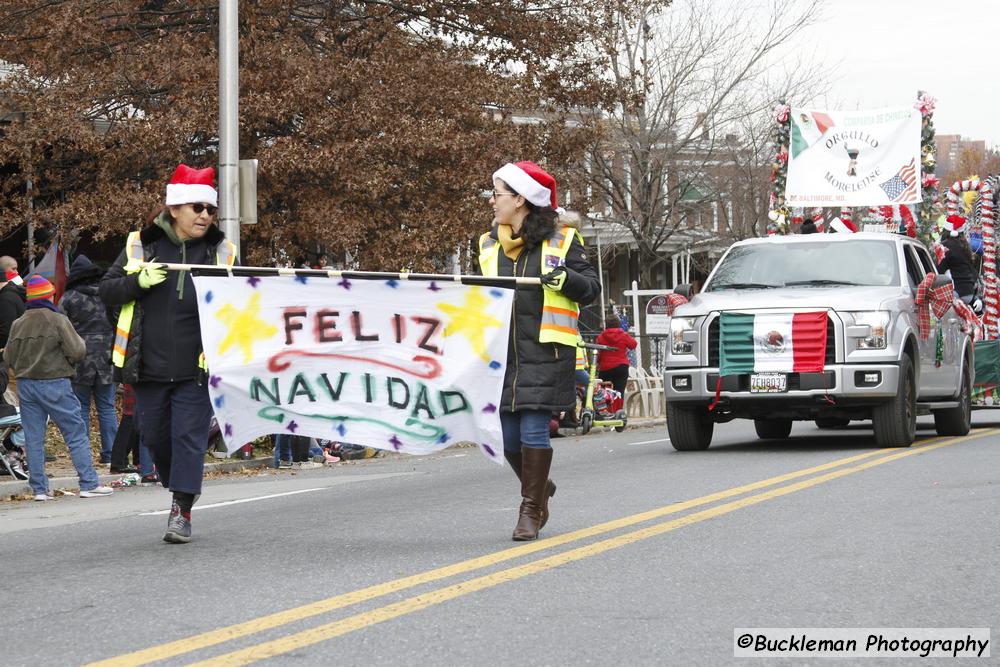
(237, 502)
(647, 442)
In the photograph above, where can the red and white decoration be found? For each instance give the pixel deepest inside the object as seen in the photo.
(531, 182)
(192, 186)
(986, 222)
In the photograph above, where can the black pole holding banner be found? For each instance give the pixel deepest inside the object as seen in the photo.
(247, 271)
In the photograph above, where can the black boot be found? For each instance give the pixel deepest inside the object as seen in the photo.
(535, 464)
(514, 459)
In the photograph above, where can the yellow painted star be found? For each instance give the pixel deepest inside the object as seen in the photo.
(245, 327)
(470, 320)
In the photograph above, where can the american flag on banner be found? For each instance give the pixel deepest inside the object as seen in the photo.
(902, 186)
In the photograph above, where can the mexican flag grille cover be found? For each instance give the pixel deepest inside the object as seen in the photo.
(772, 342)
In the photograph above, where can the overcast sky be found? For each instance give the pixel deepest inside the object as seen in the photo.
(888, 49)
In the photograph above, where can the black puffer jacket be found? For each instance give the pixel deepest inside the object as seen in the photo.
(11, 307)
(539, 376)
(84, 308)
(958, 261)
(165, 339)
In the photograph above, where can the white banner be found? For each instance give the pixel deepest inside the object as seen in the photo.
(854, 158)
(406, 366)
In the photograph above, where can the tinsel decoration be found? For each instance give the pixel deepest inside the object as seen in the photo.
(779, 216)
(930, 206)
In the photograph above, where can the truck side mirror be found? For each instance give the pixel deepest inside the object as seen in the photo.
(684, 290)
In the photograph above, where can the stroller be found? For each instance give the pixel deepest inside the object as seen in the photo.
(13, 461)
(601, 405)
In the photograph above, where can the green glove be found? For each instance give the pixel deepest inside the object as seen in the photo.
(152, 274)
(554, 280)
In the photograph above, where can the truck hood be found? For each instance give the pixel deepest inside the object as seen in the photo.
(839, 298)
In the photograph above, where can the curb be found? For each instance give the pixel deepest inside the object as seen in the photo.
(19, 487)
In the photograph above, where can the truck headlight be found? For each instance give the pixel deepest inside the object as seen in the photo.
(878, 322)
(683, 333)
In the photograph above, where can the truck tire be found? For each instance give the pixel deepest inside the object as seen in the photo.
(689, 427)
(772, 429)
(957, 420)
(832, 422)
(895, 421)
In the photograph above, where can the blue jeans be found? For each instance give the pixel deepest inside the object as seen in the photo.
(41, 399)
(282, 448)
(104, 398)
(525, 427)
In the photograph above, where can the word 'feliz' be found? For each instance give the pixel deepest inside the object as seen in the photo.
(326, 325)
(395, 392)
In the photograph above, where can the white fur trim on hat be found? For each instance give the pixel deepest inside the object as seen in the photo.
(194, 193)
(525, 185)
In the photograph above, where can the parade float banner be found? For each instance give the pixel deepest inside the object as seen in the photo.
(854, 158)
(408, 366)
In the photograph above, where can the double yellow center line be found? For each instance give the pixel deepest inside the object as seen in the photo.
(816, 475)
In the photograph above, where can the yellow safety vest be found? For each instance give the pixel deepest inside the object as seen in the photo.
(581, 358)
(560, 314)
(225, 255)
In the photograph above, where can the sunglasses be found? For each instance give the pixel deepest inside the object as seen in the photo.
(198, 208)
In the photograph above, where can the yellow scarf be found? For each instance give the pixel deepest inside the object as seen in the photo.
(512, 247)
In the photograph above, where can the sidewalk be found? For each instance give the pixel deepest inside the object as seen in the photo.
(10, 489)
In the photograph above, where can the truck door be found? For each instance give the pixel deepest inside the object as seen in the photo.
(931, 382)
(953, 337)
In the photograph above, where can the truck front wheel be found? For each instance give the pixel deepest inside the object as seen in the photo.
(690, 428)
(895, 422)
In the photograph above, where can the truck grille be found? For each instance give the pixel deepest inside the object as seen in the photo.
(713, 343)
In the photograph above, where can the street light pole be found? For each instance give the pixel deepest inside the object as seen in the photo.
(229, 115)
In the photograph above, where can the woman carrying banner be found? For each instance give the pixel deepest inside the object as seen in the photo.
(157, 346)
(529, 240)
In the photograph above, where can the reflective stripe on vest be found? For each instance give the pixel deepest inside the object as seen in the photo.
(225, 255)
(581, 358)
(560, 314)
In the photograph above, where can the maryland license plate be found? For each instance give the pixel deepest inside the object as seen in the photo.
(768, 383)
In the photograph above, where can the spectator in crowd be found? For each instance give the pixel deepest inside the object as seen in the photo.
(42, 350)
(158, 347)
(127, 442)
(321, 262)
(86, 311)
(528, 239)
(613, 365)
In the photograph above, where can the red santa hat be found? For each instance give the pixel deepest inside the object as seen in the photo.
(12, 276)
(531, 182)
(954, 224)
(192, 186)
(843, 226)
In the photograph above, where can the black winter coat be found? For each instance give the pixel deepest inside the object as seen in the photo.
(539, 376)
(165, 339)
(963, 269)
(11, 307)
(84, 308)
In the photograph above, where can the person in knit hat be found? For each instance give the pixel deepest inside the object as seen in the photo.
(42, 351)
(158, 345)
(528, 239)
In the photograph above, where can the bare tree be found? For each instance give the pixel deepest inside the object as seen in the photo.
(690, 72)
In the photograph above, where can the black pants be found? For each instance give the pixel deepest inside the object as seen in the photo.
(126, 442)
(300, 448)
(618, 376)
(174, 418)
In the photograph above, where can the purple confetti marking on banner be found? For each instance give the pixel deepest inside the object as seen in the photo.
(214, 381)
(434, 287)
(228, 430)
(490, 408)
(293, 426)
(488, 449)
(252, 281)
(345, 283)
(395, 442)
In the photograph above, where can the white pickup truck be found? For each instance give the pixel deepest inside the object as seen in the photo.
(877, 366)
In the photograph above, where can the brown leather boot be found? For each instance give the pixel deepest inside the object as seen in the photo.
(535, 464)
(514, 459)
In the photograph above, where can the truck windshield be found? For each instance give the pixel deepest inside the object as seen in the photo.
(815, 264)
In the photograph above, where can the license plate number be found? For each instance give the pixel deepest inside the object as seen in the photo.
(768, 383)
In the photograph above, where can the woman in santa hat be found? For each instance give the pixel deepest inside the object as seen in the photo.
(959, 258)
(158, 345)
(529, 240)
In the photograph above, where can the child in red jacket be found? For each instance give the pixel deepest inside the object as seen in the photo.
(613, 366)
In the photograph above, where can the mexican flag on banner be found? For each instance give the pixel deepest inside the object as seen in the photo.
(772, 342)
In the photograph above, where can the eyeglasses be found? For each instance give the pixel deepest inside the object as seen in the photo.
(496, 194)
(198, 208)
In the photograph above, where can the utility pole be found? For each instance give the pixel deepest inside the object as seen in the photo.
(229, 118)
